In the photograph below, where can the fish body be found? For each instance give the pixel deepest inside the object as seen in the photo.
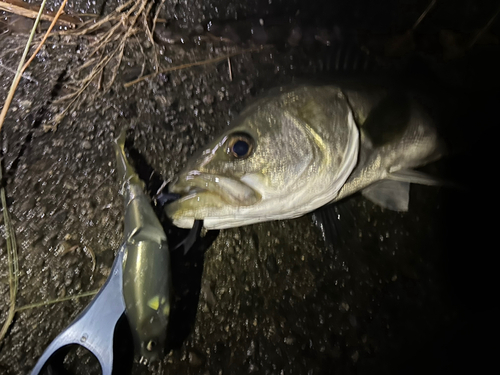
(302, 147)
(146, 265)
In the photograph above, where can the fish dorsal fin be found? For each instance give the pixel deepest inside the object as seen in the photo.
(392, 195)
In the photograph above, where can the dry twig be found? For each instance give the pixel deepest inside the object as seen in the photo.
(483, 29)
(91, 26)
(23, 9)
(20, 71)
(404, 43)
(10, 234)
(189, 65)
(62, 299)
(25, 76)
(149, 33)
(123, 22)
(424, 13)
(157, 13)
(58, 14)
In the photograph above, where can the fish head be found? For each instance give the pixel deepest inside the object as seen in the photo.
(272, 164)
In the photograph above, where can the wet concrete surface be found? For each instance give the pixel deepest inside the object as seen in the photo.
(396, 293)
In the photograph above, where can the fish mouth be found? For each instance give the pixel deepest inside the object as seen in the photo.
(231, 191)
(201, 193)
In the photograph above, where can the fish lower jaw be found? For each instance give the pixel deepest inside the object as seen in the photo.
(184, 222)
(185, 190)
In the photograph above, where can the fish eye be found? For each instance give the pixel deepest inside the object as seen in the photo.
(240, 145)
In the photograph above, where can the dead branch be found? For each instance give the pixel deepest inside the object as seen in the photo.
(24, 9)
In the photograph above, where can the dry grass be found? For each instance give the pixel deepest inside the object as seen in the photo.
(10, 238)
(483, 29)
(105, 52)
(103, 57)
(13, 263)
(108, 37)
(195, 63)
(24, 9)
(57, 300)
(20, 69)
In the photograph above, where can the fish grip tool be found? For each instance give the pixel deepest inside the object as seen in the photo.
(94, 328)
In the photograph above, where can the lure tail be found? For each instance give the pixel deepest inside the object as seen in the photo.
(126, 172)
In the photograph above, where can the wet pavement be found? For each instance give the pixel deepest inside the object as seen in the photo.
(396, 293)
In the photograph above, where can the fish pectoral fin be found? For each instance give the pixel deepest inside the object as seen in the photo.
(326, 220)
(415, 177)
(194, 233)
(392, 195)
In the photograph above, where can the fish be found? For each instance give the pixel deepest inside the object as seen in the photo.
(147, 283)
(302, 147)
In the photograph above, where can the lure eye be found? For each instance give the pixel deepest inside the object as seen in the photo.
(240, 145)
(151, 345)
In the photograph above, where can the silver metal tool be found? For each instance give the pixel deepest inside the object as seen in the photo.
(94, 327)
(138, 286)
